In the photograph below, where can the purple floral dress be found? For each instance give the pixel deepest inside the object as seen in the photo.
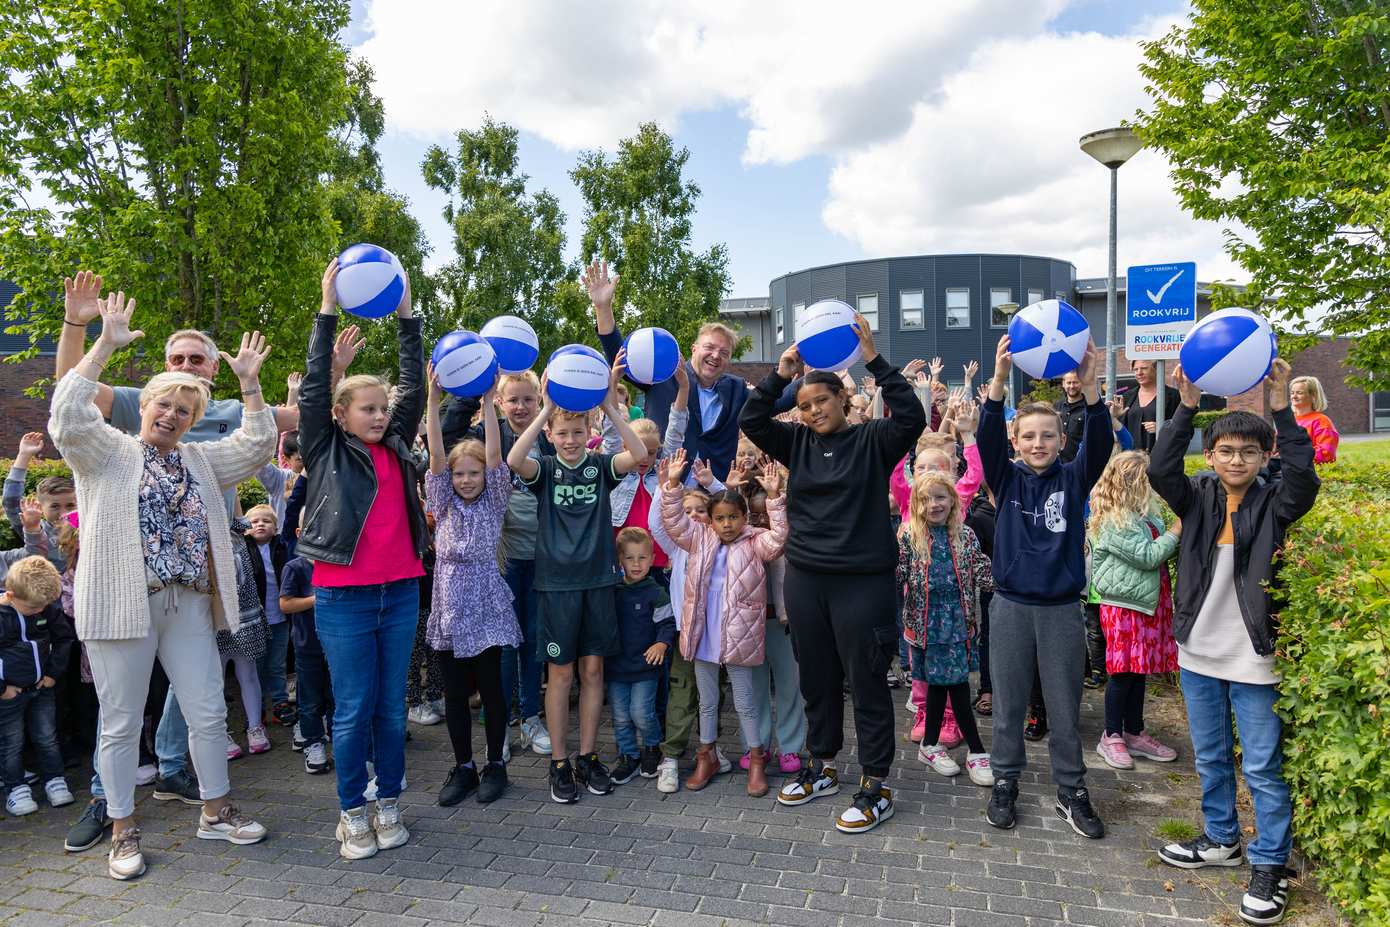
(471, 608)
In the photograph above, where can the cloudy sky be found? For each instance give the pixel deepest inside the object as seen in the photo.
(819, 132)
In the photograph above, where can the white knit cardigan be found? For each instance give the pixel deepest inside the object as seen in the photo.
(110, 597)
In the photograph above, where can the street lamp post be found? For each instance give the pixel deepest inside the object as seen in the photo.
(1008, 310)
(1111, 147)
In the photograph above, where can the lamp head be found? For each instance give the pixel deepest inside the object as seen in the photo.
(1111, 147)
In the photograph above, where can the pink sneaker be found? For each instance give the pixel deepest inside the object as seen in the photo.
(1144, 745)
(789, 763)
(233, 749)
(950, 730)
(256, 740)
(919, 724)
(743, 763)
(1112, 749)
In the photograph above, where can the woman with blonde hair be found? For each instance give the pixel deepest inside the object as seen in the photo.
(1310, 411)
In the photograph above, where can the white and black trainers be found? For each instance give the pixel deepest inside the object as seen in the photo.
(811, 783)
(872, 805)
(1267, 896)
(1200, 853)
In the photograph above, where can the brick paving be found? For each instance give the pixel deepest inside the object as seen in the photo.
(638, 857)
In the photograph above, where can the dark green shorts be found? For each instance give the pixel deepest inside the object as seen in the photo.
(576, 623)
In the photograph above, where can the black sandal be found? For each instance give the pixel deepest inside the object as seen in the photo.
(984, 704)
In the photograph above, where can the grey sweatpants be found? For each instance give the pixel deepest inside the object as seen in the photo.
(1052, 638)
(745, 701)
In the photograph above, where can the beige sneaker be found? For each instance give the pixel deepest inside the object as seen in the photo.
(390, 832)
(230, 825)
(355, 834)
(125, 861)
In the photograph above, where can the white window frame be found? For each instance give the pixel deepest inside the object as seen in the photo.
(797, 309)
(1035, 296)
(859, 307)
(994, 291)
(920, 310)
(950, 323)
(779, 319)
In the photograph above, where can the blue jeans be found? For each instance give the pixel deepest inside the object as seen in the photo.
(521, 577)
(33, 712)
(271, 666)
(634, 715)
(97, 790)
(171, 737)
(1210, 703)
(311, 670)
(367, 633)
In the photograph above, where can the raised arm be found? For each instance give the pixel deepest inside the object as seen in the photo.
(410, 385)
(316, 390)
(29, 447)
(80, 308)
(75, 422)
(243, 452)
(897, 433)
(774, 438)
(601, 288)
(517, 458)
(492, 429)
(434, 431)
(682, 531)
(769, 543)
(1166, 474)
(636, 450)
(1297, 488)
(1098, 443)
(993, 437)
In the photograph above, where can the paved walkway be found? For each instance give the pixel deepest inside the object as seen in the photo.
(639, 857)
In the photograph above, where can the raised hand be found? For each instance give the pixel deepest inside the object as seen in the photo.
(675, 466)
(867, 351)
(31, 514)
(913, 369)
(599, 285)
(116, 313)
(681, 376)
(1117, 408)
(80, 297)
(292, 384)
(699, 468)
(345, 347)
(1003, 360)
(615, 376)
(982, 393)
(772, 479)
(435, 393)
(247, 363)
(29, 446)
(328, 287)
(937, 365)
(490, 396)
(789, 364)
(967, 417)
(1189, 392)
(1278, 382)
(970, 369)
(869, 385)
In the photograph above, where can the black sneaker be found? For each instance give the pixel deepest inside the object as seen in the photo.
(1094, 680)
(461, 783)
(626, 769)
(651, 760)
(1035, 728)
(1267, 897)
(89, 829)
(1001, 812)
(562, 785)
(1074, 807)
(181, 786)
(493, 784)
(591, 772)
(1201, 852)
(284, 714)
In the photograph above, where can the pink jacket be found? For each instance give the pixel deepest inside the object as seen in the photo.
(966, 486)
(745, 589)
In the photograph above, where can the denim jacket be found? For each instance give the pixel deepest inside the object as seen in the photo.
(620, 499)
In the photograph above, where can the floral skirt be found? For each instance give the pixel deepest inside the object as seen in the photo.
(1140, 643)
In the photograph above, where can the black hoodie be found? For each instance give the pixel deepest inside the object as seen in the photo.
(33, 646)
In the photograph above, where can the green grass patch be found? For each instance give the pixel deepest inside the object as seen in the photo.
(1176, 830)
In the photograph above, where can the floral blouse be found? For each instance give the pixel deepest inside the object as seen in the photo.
(173, 524)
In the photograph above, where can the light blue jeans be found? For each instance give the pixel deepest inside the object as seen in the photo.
(1210, 704)
(779, 669)
(171, 737)
(634, 715)
(367, 633)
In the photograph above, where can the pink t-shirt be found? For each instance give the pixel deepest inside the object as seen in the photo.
(638, 516)
(385, 551)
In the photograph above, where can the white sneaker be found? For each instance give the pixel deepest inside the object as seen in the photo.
(724, 764)
(58, 793)
(297, 741)
(145, 775)
(977, 765)
(506, 749)
(316, 759)
(935, 756)
(534, 735)
(390, 832)
(356, 839)
(423, 714)
(230, 825)
(438, 706)
(125, 861)
(256, 740)
(910, 705)
(233, 749)
(668, 775)
(21, 801)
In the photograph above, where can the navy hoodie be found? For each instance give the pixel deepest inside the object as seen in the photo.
(644, 618)
(1040, 527)
(33, 646)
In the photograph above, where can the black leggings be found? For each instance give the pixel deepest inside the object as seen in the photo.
(1124, 703)
(462, 677)
(960, 704)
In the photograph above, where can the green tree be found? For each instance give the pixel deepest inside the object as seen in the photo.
(508, 243)
(637, 215)
(1279, 120)
(183, 146)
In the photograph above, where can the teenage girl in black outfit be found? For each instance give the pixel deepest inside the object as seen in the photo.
(841, 557)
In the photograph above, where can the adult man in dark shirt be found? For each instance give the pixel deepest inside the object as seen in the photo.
(1072, 408)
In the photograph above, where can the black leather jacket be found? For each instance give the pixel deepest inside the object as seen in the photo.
(341, 481)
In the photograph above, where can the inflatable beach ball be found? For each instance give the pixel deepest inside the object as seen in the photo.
(1048, 339)
(465, 363)
(577, 378)
(825, 335)
(1228, 352)
(515, 342)
(652, 355)
(370, 281)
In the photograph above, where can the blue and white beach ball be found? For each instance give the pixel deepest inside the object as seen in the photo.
(652, 355)
(370, 281)
(577, 378)
(825, 335)
(1228, 352)
(465, 363)
(515, 342)
(1048, 339)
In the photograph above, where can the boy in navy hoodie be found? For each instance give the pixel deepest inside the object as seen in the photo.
(1036, 621)
(647, 631)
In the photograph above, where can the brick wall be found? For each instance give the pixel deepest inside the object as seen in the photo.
(19, 412)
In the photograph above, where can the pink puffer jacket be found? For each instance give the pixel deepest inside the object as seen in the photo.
(745, 587)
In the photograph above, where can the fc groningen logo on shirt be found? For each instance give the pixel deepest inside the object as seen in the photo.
(552, 649)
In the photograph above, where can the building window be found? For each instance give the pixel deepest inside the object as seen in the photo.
(1035, 296)
(797, 309)
(997, 298)
(780, 320)
(910, 309)
(868, 308)
(958, 307)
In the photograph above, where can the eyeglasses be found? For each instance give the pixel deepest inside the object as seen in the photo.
(1229, 454)
(178, 360)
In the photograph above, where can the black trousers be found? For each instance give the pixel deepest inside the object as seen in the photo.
(1124, 703)
(844, 627)
(462, 677)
